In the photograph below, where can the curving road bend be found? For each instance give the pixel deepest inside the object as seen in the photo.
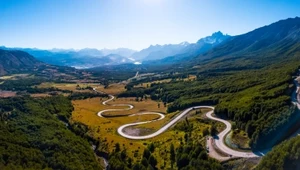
(296, 93)
(161, 130)
(219, 138)
(111, 97)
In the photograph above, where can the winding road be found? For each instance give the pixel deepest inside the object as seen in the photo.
(111, 97)
(219, 138)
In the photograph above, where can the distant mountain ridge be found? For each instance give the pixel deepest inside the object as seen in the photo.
(154, 52)
(159, 52)
(84, 58)
(90, 57)
(202, 46)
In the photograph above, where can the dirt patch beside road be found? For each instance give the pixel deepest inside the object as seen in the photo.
(4, 94)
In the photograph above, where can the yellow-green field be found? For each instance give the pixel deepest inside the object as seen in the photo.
(67, 86)
(113, 89)
(240, 138)
(139, 106)
(191, 78)
(13, 76)
(148, 84)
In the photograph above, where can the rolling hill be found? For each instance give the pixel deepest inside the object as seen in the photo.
(17, 61)
(283, 156)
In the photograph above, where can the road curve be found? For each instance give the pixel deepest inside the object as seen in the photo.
(111, 97)
(219, 138)
(161, 130)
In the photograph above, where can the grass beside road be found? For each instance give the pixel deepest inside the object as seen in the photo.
(239, 139)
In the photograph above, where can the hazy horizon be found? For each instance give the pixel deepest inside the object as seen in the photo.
(133, 24)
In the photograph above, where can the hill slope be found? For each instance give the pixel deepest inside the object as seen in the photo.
(34, 137)
(17, 61)
(283, 157)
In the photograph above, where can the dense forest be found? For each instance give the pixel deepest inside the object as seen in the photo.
(35, 135)
(285, 156)
(187, 156)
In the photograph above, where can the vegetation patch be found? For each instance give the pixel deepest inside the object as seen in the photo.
(238, 139)
(7, 94)
(79, 87)
(34, 135)
(14, 76)
(284, 156)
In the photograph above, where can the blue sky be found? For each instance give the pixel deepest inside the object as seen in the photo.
(132, 24)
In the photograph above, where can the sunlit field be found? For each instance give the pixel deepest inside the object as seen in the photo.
(68, 86)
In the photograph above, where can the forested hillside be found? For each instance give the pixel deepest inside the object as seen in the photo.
(17, 61)
(282, 157)
(186, 157)
(249, 83)
(35, 136)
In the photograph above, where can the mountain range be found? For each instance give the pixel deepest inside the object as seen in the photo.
(271, 40)
(88, 57)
